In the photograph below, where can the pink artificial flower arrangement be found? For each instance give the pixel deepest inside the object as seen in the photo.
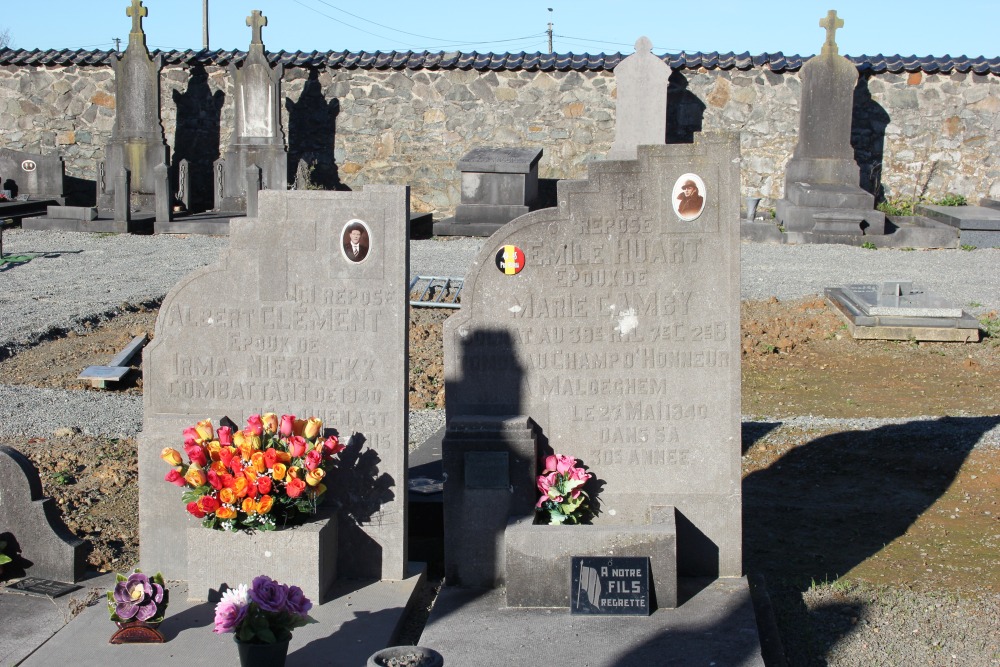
(265, 613)
(562, 498)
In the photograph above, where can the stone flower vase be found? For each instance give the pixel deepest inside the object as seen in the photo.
(262, 655)
(406, 656)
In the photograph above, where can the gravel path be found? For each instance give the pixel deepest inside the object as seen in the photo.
(77, 278)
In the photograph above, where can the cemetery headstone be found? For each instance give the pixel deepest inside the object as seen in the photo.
(258, 138)
(31, 176)
(612, 323)
(641, 105)
(498, 185)
(822, 195)
(137, 138)
(978, 226)
(287, 323)
(30, 524)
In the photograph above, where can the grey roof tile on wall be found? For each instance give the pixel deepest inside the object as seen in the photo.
(776, 62)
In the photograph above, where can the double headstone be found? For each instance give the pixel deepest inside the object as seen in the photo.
(28, 176)
(823, 200)
(610, 326)
(289, 322)
(258, 142)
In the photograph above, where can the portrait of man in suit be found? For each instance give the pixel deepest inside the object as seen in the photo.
(356, 240)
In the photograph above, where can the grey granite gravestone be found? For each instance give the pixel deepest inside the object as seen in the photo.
(40, 543)
(31, 176)
(258, 138)
(641, 106)
(612, 322)
(498, 185)
(137, 139)
(822, 197)
(896, 310)
(286, 322)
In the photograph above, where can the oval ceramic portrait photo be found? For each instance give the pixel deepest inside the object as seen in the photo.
(688, 196)
(356, 241)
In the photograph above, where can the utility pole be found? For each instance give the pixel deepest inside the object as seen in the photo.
(549, 31)
(118, 43)
(204, 24)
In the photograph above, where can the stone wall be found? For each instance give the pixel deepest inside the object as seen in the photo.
(915, 133)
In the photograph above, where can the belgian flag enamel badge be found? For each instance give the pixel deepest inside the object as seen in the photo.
(510, 260)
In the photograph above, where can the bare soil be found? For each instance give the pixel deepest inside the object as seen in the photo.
(899, 506)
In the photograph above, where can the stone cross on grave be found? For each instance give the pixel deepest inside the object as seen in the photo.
(831, 23)
(136, 11)
(256, 20)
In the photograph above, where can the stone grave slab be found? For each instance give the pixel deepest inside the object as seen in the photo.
(612, 323)
(37, 539)
(285, 322)
(896, 310)
(977, 226)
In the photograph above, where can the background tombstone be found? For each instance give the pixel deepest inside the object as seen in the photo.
(822, 195)
(137, 139)
(29, 523)
(286, 323)
(641, 106)
(616, 331)
(258, 138)
(31, 176)
(498, 185)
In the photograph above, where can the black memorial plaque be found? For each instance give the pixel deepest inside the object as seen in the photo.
(486, 470)
(609, 585)
(44, 587)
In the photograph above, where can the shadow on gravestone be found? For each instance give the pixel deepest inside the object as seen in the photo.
(359, 491)
(812, 516)
(198, 133)
(685, 112)
(37, 539)
(312, 132)
(868, 137)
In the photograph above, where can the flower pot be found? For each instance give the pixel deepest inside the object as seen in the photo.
(752, 203)
(136, 632)
(406, 656)
(262, 655)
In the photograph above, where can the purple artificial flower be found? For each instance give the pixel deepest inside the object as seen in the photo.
(298, 603)
(133, 598)
(269, 594)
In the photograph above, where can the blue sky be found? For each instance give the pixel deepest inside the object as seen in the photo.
(917, 27)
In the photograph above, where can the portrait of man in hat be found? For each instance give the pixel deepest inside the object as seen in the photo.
(689, 201)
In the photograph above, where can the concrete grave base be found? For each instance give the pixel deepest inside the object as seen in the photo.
(305, 556)
(359, 619)
(714, 624)
(210, 223)
(538, 558)
(141, 223)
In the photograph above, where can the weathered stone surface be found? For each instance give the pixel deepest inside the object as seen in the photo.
(614, 327)
(36, 176)
(285, 322)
